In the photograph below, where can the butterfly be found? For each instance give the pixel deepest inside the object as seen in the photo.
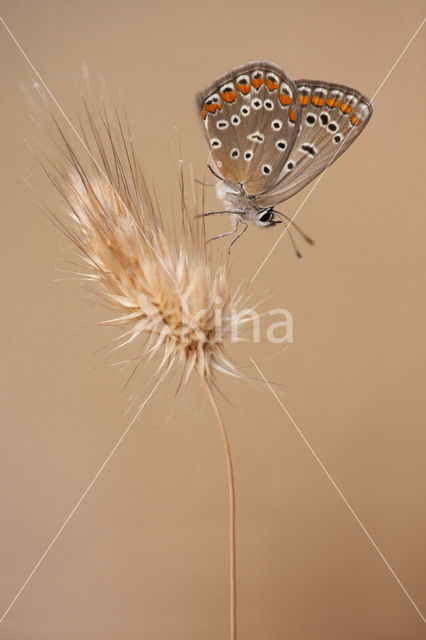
(269, 136)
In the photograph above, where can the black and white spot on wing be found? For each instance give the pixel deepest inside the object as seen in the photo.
(318, 97)
(256, 136)
(243, 81)
(350, 100)
(257, 76)
(308, 148)
(228, 87)
(271, 80)
(286, 91)
(305, 94)
(256, 103)
(213, 99)
(334, 98)
(281, 145)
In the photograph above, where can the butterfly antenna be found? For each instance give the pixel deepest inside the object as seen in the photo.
(298, 254)
(204, 184)
(214, 213)
(304, 235)
(216, 175)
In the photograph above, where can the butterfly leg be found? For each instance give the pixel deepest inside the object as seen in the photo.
(245, 225)
(228, 233)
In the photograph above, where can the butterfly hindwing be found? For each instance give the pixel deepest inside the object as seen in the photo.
(333, 116)
(251, 117)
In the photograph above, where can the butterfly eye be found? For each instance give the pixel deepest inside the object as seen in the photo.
(266, 216)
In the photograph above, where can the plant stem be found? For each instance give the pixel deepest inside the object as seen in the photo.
(231, 491)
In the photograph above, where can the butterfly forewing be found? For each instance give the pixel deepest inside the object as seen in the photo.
(332, 118)
(251, 117)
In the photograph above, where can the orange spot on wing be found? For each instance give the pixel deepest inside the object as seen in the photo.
(303, 99)
(345, 108)
(204, 114)
(228, 96)
(284, 99)
(332, 102)
(355, 121)
(317, 101)
(211, 108)
(271, 84)
(257, 82)
(292, 115)
(244, 88)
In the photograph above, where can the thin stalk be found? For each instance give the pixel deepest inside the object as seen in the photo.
(231, 492)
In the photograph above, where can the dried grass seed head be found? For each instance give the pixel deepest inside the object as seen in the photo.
(167, 292)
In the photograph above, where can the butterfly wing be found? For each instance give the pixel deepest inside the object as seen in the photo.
(251, 117)
(333, 116)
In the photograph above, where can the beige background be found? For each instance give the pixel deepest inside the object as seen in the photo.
(145, 556)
